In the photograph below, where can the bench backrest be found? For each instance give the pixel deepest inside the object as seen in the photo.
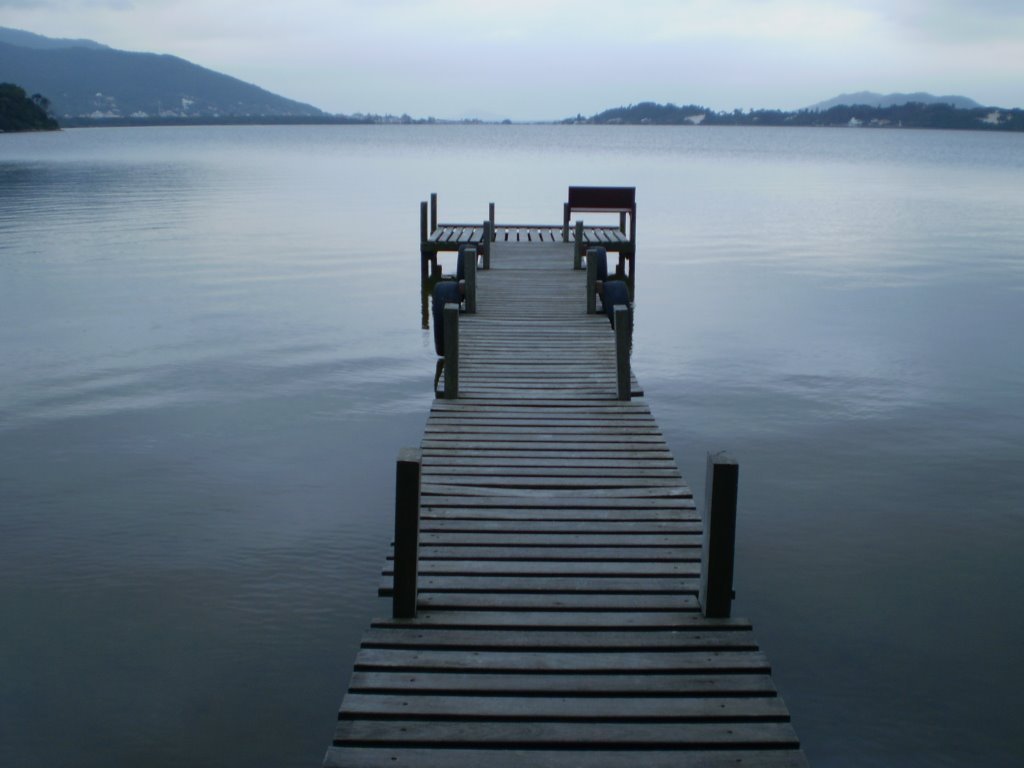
(602, 200)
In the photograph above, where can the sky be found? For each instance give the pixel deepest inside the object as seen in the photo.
(546, 59)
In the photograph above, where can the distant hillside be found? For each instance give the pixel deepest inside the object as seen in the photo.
(84, 78)
(32, 40)
(911, 115)
(19, 112)
(870, 99)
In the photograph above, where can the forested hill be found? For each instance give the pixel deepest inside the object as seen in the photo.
(19, 112)
(912, 115)
(84, 78)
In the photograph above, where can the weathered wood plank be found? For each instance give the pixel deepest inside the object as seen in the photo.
(564, 709)
(552, 601)
(470, 734)
(536, 584)
(685, 552)
(632, 528)
(556, 640)
(567, 621)
(390, 756)
(554, 568)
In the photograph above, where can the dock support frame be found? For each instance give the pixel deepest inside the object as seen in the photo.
(577, 247)
(451, 351)
(623, 339)
(407, 533)
(468, 253)
(720, 490)
(591, 285)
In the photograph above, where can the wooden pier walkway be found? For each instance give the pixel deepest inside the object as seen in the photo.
(559, 563)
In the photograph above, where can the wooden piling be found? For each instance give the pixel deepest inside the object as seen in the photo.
(451, 351)
(488, 239)
(469, 266)
(433, 211)
(623, 334)
(718, 554)
(591, 283)
(577, 251)
(407, 533)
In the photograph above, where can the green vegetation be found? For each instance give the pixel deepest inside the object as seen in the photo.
(19, 112)
(911, 115)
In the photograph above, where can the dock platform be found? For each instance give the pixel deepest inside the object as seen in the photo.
(558, 620)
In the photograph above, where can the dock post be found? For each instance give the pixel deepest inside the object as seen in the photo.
(591, 285)
(577, 250)
(469, 265)
(490, 215)
(622, 222)
(488, 237)
(433, 211)
(719, 536)
(407, 533)
(451, 351)
(623, 332)
(424, 234)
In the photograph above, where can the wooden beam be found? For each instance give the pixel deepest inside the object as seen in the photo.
(623, 334)
(591, 284)
(720, 491)
(469, 265)
(451, 351)
(577, 251)
(407, 533)
(488, 237)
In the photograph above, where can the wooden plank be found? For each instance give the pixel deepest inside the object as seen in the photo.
(466, 511)
(626, 527)
(556, 492)
(554, 568)
(541, 502)
(566, 621)
(390, 756)
(615, 735)
(688, 552)
(551, 601)
(564, 709)
(556, 640)
(535, 584)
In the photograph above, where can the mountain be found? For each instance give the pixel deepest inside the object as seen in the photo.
(869, 99)
(32, 40)
(85, 78)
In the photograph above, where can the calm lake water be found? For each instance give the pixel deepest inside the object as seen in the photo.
(212, 353)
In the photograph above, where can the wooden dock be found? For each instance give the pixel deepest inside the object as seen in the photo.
(558, 620)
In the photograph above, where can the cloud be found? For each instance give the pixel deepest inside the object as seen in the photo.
(956, 21)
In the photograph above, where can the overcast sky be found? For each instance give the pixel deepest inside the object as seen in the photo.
(543, 59)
